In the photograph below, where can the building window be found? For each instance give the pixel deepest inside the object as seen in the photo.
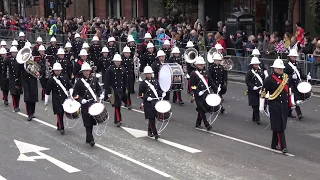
(134, 8)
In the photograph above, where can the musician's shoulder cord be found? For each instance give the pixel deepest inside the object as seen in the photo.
(278, 91)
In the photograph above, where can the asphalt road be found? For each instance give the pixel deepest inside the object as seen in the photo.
(236, 148)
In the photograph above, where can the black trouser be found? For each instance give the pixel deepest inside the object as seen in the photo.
(278, 138)
(298, 110)
(117, 115)
(16, 101)
(202, 116)
(42, 93)
(60, 123)
(128, 99)
(89, 136)
(152, 126)
(176, 96)
(30, 107)
(5, 95)
(255, 113)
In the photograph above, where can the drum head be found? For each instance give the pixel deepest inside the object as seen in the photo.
(213, 100)
(163, 106)
(71, 106)
(165, 77)
(96, 109)
(304, 87)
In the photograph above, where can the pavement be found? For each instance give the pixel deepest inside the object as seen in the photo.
(236, 148)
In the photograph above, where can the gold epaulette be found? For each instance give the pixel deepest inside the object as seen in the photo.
(278, 91)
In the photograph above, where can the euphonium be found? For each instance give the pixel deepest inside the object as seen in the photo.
(25, 57)
(227, 63)
(48, 69)
(210, 54)
(190, 55)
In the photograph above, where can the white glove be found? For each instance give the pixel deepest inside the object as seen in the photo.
(294, 76)
(101, 96)
(149, 99)
(308, 77)
(109, 95)
(261, 105)
(187, 76)
(46, 99)
(200, 93)
(265, 72)
(84, 101)
(219, 89)
(164, 94)
(255, 88)
(71, 91)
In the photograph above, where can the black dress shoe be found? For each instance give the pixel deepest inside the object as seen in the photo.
(300, 117)
(118, 124)
(291, 116)
(156, 137)
(181, 103)
(62, 131)
(259, 122)
(222, 110)
(92, 143)
(276, 148)
(16, 109)
(199, 126)
(33, 116)
(174, 101)
(58, 129)
(6, 103)
(284, 150)
(88, 141)
(129, 107)
(150, 134)
(209, 128)
(29, 118)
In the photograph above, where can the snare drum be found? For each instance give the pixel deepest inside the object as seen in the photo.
(74, 115)
(71, 108)
(213, 100)
(171, 77)
(99, 112)
(163, 109)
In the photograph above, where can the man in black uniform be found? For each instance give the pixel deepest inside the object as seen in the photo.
(161, 57)
(112, 46)
(13, 69)
(294, 71)
(22, 41)
(95, 50)
(116, 86)
(148, 58)
(219, 76)
(77, 46)
(65, 63)
(69, 56)
(86, 47)
(61, 89)
(127, 63)
(176, 58)
(35, 50)
(4, 81)
(254, 80)
(166, 49)
(78, 63)
(190, 67)
(3, 44)
(53, 48)
(132, 46)
(103, 63)
(149, 100)
(144, 46)
(200, 81)
(86, 91)
(279, 103)
(30, 88)
(47, 74)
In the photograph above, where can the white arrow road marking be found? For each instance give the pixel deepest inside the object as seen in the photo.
(108, 150)
(245, 142)
(27, 148)
(139, 133)
(2, 178)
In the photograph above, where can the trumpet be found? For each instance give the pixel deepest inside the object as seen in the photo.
(25, 57)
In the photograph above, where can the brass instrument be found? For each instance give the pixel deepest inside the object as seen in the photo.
(227, 63)
(190, 55)
(210, 54)
(136, 64)
(48, 69)
(25, 57)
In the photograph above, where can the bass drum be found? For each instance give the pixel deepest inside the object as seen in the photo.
(99, 112)
(71, 108)
(171, 77)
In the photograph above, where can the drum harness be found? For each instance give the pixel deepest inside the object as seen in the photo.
(220, 106)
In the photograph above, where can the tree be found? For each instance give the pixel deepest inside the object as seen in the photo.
(291, 9)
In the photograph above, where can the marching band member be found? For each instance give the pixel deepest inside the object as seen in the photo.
(86, 91)
(116, 85)
(144, 46)
(78, 64)
(293, 69)
(53, 48)
(176, 58)
(4, 77)
(95, 50)
(22, 40)
(112, 46)
(86, 46)
(127, 63)
(103, 63)
(190, 68)
(46, 64)
(161, 57)
(77, 45)
(219, 48)
(13, 69)
(148, 57)
(254, 80)
(199, 80)
(65, 63)
(30, 89)
(3, 44)
(69, 55)
(256, 53)
(149, 91)
(15, 43)
(61, 89)
(219, 76)
(167, 48)
(279, 103)
(132, 46)
(35, 50)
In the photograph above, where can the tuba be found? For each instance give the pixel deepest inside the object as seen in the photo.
(190, 55)
(25, 57)
(227, 63)
(210, 54)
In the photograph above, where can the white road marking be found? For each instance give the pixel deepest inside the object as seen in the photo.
(315, 135)
(139, 133)
(245, 142)
(2, 178)
(108, 150)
